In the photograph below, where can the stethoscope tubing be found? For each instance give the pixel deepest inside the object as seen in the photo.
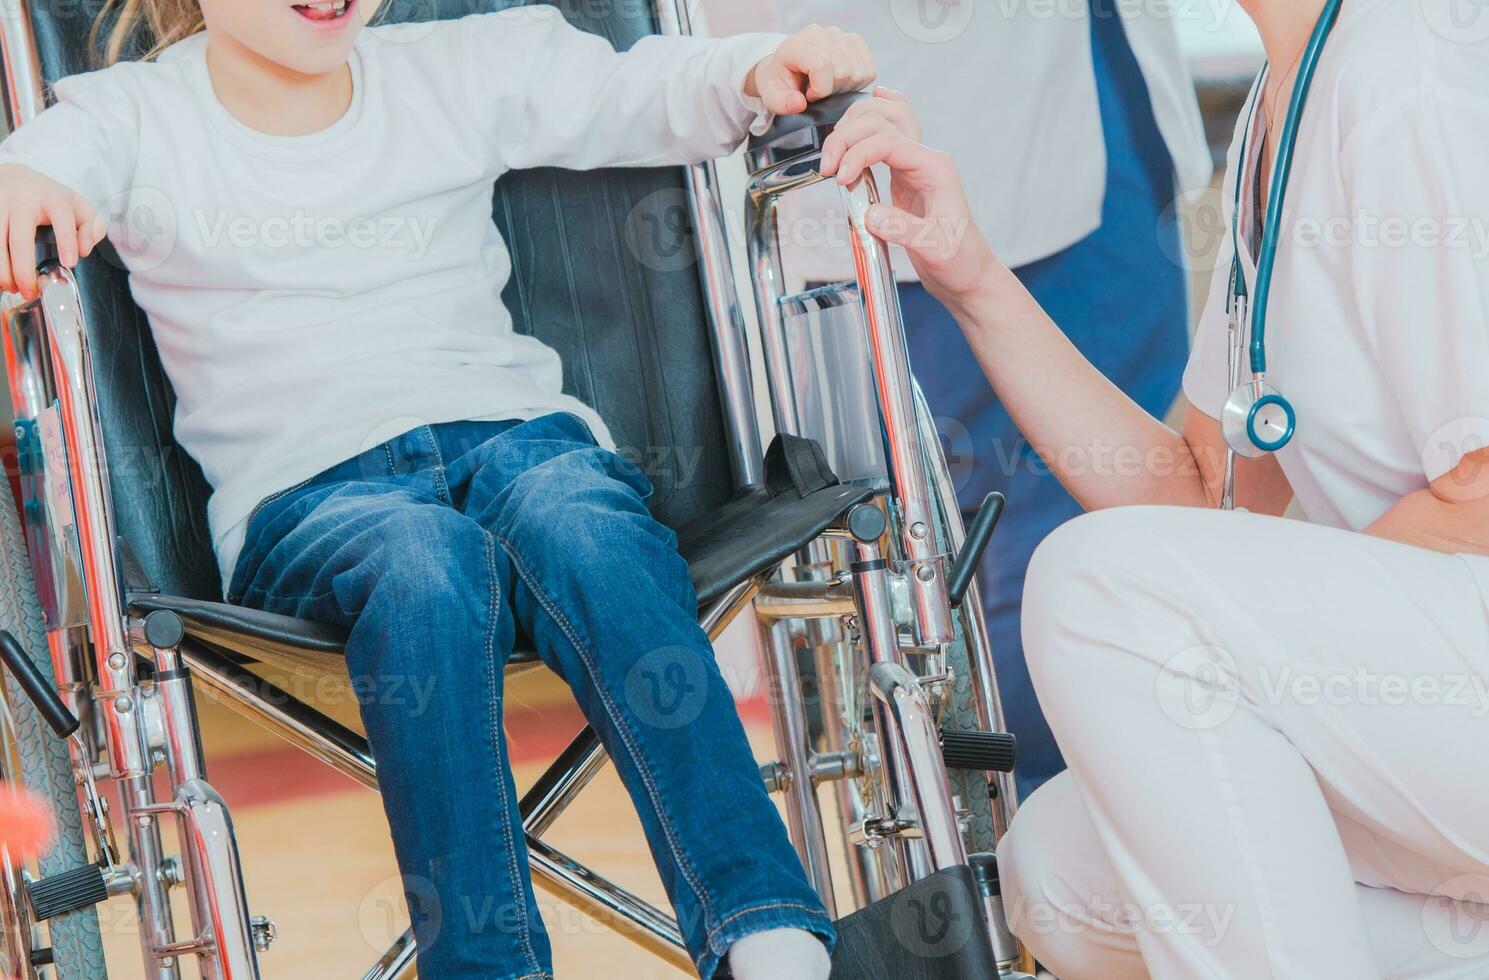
(1277, 192)
(1256, 405)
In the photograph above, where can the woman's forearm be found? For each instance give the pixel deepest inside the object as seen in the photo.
(1104, 448)
(1427, 520)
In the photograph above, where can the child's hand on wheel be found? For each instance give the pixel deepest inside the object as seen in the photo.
(810, 65)
(29, 200)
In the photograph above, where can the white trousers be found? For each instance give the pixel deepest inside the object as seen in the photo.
(1278, 739)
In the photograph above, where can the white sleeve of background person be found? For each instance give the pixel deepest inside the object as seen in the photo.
(1009, 90)
(87, 141)
(581, 104)
(1415, 182)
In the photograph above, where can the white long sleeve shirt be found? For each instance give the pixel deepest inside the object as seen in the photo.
(1009, 90)
(314, 296)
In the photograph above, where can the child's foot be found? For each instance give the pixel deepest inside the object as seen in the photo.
(779, 954)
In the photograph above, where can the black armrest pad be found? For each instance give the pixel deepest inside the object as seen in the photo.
(275, 631)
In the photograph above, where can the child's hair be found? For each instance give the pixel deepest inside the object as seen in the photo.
(122, 24)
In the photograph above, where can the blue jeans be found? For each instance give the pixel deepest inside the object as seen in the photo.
(436, 550)
(1120, 295)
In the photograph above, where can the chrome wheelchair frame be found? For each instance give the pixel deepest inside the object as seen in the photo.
(878, 581)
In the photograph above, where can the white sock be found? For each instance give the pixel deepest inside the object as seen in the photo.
(780, 954)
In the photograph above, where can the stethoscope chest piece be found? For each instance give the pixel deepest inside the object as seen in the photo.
(1257, 420)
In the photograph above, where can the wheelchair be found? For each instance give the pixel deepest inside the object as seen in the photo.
(111, 617)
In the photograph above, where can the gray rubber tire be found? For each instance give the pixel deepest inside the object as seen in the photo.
(972, 787)
(961, 710)
(77, 947)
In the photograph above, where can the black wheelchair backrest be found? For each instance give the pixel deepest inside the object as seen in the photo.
(591, 278)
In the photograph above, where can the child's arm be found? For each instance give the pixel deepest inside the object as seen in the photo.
(59, 170)
(546, 94)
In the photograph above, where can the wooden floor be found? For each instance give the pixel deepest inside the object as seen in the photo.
(318, 860)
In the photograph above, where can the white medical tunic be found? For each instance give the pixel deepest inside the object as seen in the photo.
(1378, 326)
(1304, 698)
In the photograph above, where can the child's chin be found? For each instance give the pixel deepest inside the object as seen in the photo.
(318, 59)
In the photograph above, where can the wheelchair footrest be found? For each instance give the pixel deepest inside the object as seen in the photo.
(69, 891)
(935, 929)
(979, 751)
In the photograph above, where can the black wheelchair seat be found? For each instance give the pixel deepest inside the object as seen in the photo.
(749, 535)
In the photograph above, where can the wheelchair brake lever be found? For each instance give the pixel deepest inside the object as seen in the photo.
(48, 704)
(65, 725)
(976, 543)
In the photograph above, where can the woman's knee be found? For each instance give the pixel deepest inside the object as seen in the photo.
(1097, 543)
(1102, 583)
(1069, 573)
(1097, 563)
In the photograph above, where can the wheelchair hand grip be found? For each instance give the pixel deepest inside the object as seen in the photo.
(978, 536)
(37, 688)
(46, 245)
(818, 118)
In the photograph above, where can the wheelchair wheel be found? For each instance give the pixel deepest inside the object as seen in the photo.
(30, 750)
(973, 788)
(961, 713)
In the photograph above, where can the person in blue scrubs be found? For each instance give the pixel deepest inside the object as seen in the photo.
(1122, 300)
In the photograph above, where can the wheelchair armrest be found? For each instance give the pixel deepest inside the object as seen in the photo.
(792, 136)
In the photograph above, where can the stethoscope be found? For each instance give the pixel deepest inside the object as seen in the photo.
(1257, 419)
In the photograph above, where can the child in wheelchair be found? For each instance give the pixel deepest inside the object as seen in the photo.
(303, 204)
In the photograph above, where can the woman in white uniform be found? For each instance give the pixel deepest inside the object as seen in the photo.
(1276, 730)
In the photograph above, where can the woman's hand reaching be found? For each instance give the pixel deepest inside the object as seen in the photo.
(930, 216)
(1059, 401)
